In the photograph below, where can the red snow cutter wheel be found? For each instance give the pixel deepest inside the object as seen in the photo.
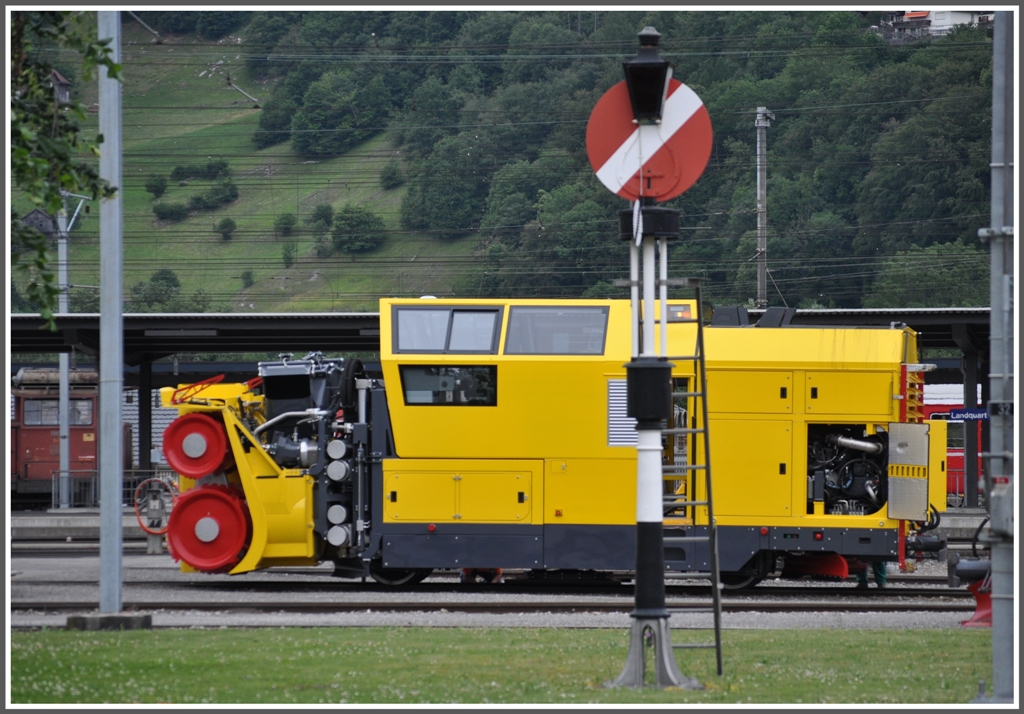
(209, 528)
(196, 445)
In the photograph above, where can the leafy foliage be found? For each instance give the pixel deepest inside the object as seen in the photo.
(220, 193)
(214, 169)
(170, 211)
(391, 175)
(322, 213)
(156, 185)
(226, 227)
(248, 280)
(288, 253)
(285, 223)
(357, 229)
(337, 113)
(214, 25)
(162, 293)
(46, 144)
(956, 275)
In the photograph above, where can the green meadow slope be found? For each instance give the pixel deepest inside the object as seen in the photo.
(178, 109)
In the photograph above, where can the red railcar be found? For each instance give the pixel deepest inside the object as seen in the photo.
(939, 401)
(35, 435)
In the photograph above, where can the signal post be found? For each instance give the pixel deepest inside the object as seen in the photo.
(649, 139)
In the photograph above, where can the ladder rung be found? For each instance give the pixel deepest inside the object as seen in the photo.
(695, 647)
(682, 469)
(681, 504)
(684, 430)
(687, 394)
(679, 540)
(685, 357)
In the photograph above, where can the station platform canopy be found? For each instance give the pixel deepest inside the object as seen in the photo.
(152, 336)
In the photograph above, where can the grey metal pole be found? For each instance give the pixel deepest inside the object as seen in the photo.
(145, 439)
(970, 371)
(111, 333)
(64, 388)
(762, 122)
(1000, 501)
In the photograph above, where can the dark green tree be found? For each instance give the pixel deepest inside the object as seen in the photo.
(166, 277)
(940, 275)
(156, 185)
(173, 212)
(285, 223)
(161, 294)
(214, 25)
(337, 113)
(391, 175)
(226, 228)
(357, 229)
(322, 213)
(288, 252)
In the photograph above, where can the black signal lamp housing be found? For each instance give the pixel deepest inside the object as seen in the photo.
(647, 77)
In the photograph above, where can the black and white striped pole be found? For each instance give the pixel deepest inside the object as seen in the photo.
(649, 389)
(649, 401)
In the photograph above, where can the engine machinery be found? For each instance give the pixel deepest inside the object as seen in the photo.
(494, 434)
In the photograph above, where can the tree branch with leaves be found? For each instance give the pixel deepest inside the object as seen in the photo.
(47, 148)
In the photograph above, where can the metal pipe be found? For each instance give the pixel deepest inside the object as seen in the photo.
(311, 413)
(362, 386)
(648, 292)
(111, 331)
(846, 442)
(1000, 501)
(63, 392)
(663, 292)
(634, 294)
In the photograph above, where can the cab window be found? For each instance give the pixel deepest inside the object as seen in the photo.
(446, 329)
(542, 330)
(442, 385)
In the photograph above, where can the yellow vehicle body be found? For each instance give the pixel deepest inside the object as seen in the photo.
(495, 434)
(765, 386)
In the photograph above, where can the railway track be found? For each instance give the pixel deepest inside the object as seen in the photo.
(502, 607)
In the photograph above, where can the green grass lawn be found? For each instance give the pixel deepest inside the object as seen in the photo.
(433, 665)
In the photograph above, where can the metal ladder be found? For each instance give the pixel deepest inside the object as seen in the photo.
(680, 498)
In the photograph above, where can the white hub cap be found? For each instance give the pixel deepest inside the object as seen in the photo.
(207, 529)
(194, 445)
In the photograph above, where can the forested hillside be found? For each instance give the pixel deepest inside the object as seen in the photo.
(457, 139)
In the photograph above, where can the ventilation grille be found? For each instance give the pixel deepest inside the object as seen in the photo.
(621, 428)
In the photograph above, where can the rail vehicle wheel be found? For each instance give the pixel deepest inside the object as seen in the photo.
(209, 528)
(396, 577)
(196, 445)
(740, 580)
(753, 571)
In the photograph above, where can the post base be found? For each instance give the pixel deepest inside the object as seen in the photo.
(666, 671)
(118, 621)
